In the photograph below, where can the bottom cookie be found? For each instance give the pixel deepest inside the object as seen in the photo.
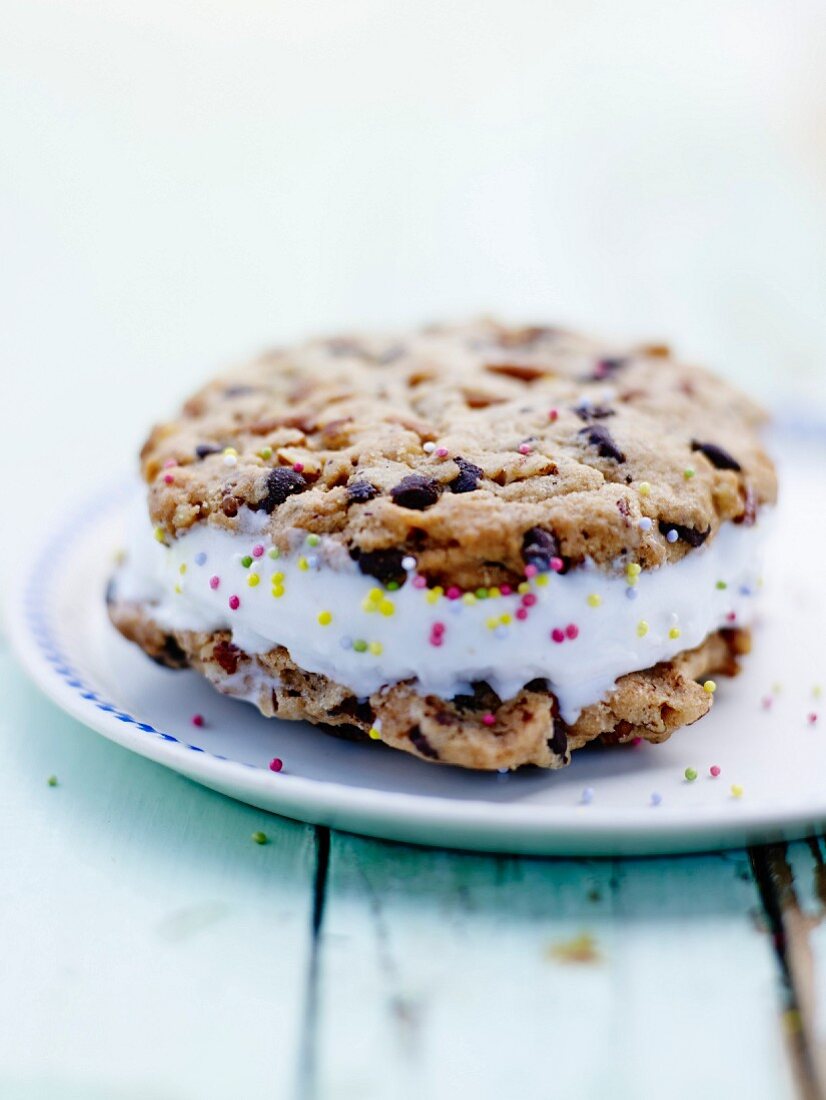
(477, 731)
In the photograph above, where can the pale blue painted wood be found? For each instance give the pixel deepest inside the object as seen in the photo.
(444, 975)
(148, 948)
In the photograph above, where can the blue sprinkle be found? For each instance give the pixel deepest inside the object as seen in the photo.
(587, 795)
(313, 562)
(645, 524)
(672, 535)
(500, 632)
(346, 642)
(745, 590)
(454, 607)
(200, 558)
(631, 593)
(656, 798)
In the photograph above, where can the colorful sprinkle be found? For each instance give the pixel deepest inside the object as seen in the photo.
(525, 448)
(276, 764)
(644, 489)
(672, 536)
(736, 790)
(656, 798)
(709, 687)
(253, 579)
(359, 645)
(594, 600)
(52, 781)
(572, 631)
(214, 582)
(200, 558)
(160, 534)
(198, 720)
(441, 452)
(257, 551)
(278, 591)
(234, 603)
(168, 479)
(531, 570)
(408, 564)
(313, 540)
(558, 635)
(721, 585)
(428, 448)
(325, 618)
(246, 561)
(714, 771)
(488, 719)
(811, 718)
(376, 648)
(298, 467)
(587, 796)
(259, 838)
(645, 524)
(674, 633)
(688, 473)
(690, 774)
(265, 453)
(274, 553)
(374, 734)
(553, 415)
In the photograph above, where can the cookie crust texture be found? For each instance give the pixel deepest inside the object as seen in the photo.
(455, 443)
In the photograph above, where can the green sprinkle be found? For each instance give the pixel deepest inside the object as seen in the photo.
(392, 586)
(690, 774)
(359, 645)
(274, 553)
(688, 473)
(721, 585)
(265, 453)
(246, 561)
(260, 838)
(52, 780)
(481, 593)
(313, 540)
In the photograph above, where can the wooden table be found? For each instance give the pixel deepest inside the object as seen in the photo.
(151, 950)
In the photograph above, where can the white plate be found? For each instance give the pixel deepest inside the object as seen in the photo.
(58, 624)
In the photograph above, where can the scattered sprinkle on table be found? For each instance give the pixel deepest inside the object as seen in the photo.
(198, 720)
(260, 838)
(587, 796)
(276, 764)
(690, 774)
(736, 790)
(714, 771)
(52, 780)
(656, 798)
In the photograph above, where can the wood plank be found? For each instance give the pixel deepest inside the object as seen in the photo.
(148, 948)
(447, 975)
(793, 880)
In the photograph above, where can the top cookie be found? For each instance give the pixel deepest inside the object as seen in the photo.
(479, 449)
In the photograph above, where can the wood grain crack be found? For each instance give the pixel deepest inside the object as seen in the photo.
(307, 1082)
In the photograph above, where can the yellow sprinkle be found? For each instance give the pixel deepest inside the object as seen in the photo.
(468, 599)
(368, 605)
(523, 588)
(375, 594)
(160, 534)
(709, 687)
(375, 648)
(817, 691)
(433, 596)
(325, 618)
(736, 790)
(265, 453)
(644, 489)
(594, 600)
(505, 619)
(387, 607)
(182, 568)
(642, 628)
(493, 593)
(633, 569)
(492, 622)
(541, 580)
(253, 579)
(278, 578)
(303, 564)
(278, 590)
(632, 581)
(230, 451)
(178, 589)
(674, 632)
(374, 734)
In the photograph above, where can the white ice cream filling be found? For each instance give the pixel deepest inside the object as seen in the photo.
(579, 631)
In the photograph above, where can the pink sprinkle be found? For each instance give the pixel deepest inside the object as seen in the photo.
(441, 452)
(731, 617)
(214, 582)
(553, 414)
(531, 570)
(766, 702)
(197, 720)
(505, 589)
(257, 551)
(525, 448)
(438, 628)
(529, 599)
(557, 565)
(714, 771)
(572, 630)
(169, 462)
(488, 719)
(811, 718)
(453, 593)
(420, 582)
(298, 467)
(234, 603)
(558, 635)
(276, 764)
(168, 479)
(522, 613)
(437, 634)
(636, 742)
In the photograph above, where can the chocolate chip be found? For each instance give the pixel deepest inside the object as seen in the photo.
(359, 492)
(227, 656)
(605, 368)
(539, 547)
(421, 743)
(718, 457)
(558, 742)
(468, 477)
(692, 535)
(598, 436)
(352, 707)
(415, 491)
(588, 412)
(279, 484)
(204, 449)
(229, 506)
(623, 507)
(171, 656)
(384, 565)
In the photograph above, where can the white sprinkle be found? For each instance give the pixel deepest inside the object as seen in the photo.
(408, 564)
(645, 524)
(672, 535)
(230, 460)
(428, 448)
